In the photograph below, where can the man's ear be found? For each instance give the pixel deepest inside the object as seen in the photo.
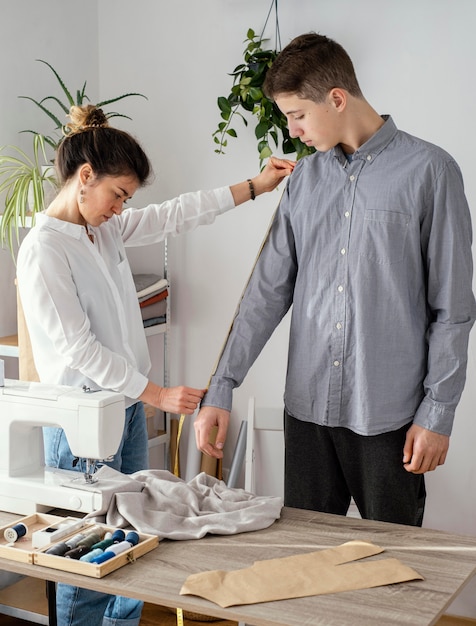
(338, 98)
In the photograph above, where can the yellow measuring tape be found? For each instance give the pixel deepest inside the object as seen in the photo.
(183, 416)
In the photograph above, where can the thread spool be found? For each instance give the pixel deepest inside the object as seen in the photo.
(132, 539)
(58, 549)
(89, 540)
(105, 543)
(73, 541)
(118, 535)
(16, 532)
(91, 555)
(77, 553)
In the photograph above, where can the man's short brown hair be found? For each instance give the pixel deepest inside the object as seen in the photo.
(309, 67)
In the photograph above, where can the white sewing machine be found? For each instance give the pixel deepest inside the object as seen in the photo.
(93, 423)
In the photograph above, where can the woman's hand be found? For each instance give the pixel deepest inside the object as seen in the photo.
(272, 174)
(267, 180)
(178, 400)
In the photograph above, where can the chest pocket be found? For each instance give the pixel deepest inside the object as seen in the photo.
(384, 236)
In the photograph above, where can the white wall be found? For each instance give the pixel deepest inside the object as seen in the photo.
(415, 59)
(57, 32)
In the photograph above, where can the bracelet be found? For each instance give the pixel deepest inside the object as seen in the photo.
(252, 189)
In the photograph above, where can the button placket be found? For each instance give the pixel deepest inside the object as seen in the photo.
(338, 333)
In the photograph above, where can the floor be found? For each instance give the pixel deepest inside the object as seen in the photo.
(34, 591)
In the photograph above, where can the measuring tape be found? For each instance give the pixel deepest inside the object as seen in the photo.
(183, 416)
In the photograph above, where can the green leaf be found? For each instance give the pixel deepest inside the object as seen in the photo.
(224, 105)
(265, 153)
(261, 129)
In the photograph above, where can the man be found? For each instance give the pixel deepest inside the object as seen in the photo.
(371, 245)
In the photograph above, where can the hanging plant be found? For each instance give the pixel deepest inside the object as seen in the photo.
(247, 98)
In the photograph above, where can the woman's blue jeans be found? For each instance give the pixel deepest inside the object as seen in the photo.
(81, 607)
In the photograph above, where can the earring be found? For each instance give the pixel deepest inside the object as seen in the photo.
(81, 196)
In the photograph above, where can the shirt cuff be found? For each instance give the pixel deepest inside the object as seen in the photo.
(435, 417)
(224, 198)
(219, 396)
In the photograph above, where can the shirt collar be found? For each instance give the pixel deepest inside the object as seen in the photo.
(67, 228)
(373, 146)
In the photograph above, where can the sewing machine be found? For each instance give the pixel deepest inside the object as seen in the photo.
(93, 423)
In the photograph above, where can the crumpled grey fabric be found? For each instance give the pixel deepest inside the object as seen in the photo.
(158, 503)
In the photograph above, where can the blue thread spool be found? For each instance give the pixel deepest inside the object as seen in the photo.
(91, 555)
(16, 532)
(132, 537)
(118, 535)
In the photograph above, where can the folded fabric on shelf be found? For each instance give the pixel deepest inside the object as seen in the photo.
(153, 297)
(154, 310)
(153, 321)
(147, 284)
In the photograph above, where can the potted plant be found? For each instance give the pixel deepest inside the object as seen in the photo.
(246, 98)
(26, 180)
(65, 105)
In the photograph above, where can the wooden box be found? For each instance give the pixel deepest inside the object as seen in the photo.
(23, 550)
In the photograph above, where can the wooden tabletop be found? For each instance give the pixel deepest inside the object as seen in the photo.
(446, 561)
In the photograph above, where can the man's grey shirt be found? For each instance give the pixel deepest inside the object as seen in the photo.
(375, 258)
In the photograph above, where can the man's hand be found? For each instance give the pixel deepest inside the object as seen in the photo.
(424, 450)
(207, 418)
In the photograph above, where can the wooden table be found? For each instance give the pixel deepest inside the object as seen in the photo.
(446, 561)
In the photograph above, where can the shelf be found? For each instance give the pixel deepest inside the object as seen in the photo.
(9, 346)
(157, 329)
(160, 439)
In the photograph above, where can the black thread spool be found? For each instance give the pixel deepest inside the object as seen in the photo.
(77, 553)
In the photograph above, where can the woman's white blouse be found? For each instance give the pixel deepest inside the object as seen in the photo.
(79, 298)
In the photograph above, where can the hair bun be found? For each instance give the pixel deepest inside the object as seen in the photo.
(84, 117)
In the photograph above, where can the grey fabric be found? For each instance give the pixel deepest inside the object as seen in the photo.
(171, 508)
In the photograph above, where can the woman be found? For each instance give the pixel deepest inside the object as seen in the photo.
(80, 302)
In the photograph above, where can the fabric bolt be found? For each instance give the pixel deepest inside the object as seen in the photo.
(375, 258)
(68, 285)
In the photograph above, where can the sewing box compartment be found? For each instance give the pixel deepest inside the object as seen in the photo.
(25, 548)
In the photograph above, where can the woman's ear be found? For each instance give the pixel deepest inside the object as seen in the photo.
(86, 174)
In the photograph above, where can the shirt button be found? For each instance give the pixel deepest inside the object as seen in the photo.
(342, 251)
(340, 288)
(369, 157)
(336, 363)
(352, 177)
(347, 214)
(338, 325)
